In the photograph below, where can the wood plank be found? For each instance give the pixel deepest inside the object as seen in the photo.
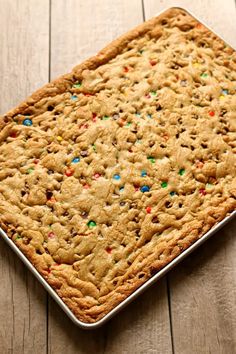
(79, 31)
(23, 67)
(203, 287)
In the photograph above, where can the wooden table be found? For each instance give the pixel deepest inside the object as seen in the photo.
(193, 309)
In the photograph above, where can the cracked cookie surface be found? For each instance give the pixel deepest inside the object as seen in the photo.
(111, 171)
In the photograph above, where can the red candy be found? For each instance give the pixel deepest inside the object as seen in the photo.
(13, 134)
(36, 161)
(86, 186)
(202, 191)
(211, 113)
(109, 250)
(96, 176)
(148, 209)
(69, 172)
(51, 235)
(152, 62)
(126, 69)
(94, 117)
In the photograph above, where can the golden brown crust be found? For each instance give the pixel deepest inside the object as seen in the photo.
(151, 122)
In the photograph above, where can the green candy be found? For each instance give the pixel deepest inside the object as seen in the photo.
(151, 159)
(181, 171)
(30, 170)
(105, 118)
(91, 224)
(204, 75)
(164, 184)
(77, 85)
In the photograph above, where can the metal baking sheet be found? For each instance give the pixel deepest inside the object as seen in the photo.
(143, 287)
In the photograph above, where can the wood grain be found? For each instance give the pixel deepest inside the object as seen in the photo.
(23, 68)
(203, 288)
(74, 39)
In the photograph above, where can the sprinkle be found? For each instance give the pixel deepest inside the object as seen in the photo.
(30, 170)
(138, 115)
(202, 191)
(149, 116)
(36, 161)
(222, 97)
(109, 250)
(128, 124)
(224, 92)
(91, 224)
(172, 193)
(94, 147)
(164, 184)
(59, 138)
(148, 209)
(116, 177)
(105, 118)
(204, 75)
(51, 235)
(77, 85)
(153, 93)
(86, 186)
(151, 159)
(209, 185)
(17, 237)
(94, 117)
(145, 189)
(75, 160)
(148, 95)
(196, 65)
(74, 97)
(211, 113)
(181, 171)
(122, 189)
(143, 173)
(126, 69)
(69, 171)
(152, 62)
(27, 122)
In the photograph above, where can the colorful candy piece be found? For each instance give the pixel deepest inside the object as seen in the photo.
(116, 177)
(75, 160)
(181, 171)
(122, 189)
(74, 97)
(86, 186)
(126, 69)
(13, 134)
(152, 62)
(105, 117)
(108, 250)
(30, 170)
(138, 115)
(151, 159)
(96, 175)
(164, 184)
(77, 85)
(224, 92)
(69, 171)
(143, 173)
(202, 191)
(172, 193)
(94, 118)
(91, 224)
(59, 138)
(148, 209)
(153, 93)
(149, 116)
(144, 189)
(204, 75)
(51, 235)
(27, 122)
(211, 113)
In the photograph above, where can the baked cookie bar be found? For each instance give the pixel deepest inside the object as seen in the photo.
(111, 171)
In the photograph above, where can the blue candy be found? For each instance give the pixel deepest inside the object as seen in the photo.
(116, 177)
(143, 173)
(75, 160)
(145, 189)
(28, 122)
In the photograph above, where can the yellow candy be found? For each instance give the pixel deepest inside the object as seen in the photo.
(196, 65)
(59, 138)
(222, 97)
